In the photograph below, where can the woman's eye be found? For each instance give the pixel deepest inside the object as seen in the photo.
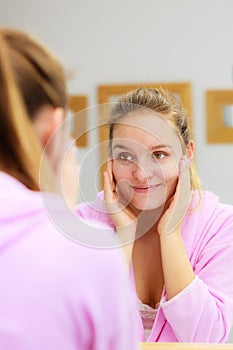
(158, 155)
(126, 157)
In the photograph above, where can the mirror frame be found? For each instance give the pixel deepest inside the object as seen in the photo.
(79, 103)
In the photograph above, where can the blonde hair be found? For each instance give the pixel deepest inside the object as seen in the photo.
(162, 102)
(30, 78)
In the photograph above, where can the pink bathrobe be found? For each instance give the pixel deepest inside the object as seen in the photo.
(59, 292)
(203, 311)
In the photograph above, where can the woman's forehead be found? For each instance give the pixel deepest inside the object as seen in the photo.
(146, 128)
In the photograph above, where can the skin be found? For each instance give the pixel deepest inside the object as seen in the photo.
(148, 180)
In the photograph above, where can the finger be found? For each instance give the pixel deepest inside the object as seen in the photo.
(110, 197)
(184, 182)
(110, 166)
(110, 172)
(182, 196)
(108, 192)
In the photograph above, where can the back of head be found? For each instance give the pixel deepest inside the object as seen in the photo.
(30, 78)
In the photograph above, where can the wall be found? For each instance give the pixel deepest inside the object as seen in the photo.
(127, 41)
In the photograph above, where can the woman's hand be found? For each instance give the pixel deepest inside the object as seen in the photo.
(123, 217)
(177, 270)
(121, 214)
(172, 219)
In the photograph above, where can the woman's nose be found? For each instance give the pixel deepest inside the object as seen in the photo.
(142, 173)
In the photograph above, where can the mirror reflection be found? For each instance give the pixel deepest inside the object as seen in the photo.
(177, 237)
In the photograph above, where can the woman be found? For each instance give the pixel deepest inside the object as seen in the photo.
(55, 292)
(178, 239)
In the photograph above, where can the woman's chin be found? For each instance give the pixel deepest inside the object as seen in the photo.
(146, 204)
(141, 201)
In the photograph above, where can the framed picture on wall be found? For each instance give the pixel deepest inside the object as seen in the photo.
(77, 105)
(219, 116)
(108, 94)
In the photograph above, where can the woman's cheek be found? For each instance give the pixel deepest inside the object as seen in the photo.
(171, 175)
(120, 172)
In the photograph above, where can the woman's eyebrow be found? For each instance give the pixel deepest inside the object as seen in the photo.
(122, 147)
(153, 148)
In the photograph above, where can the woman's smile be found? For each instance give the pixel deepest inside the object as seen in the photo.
(145, 189)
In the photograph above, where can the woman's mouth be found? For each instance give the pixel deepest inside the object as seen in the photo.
(145, 189)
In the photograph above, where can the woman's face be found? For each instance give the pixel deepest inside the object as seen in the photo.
(146, 152)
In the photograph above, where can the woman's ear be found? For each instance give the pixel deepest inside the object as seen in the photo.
(190, 150)
(46, 121)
